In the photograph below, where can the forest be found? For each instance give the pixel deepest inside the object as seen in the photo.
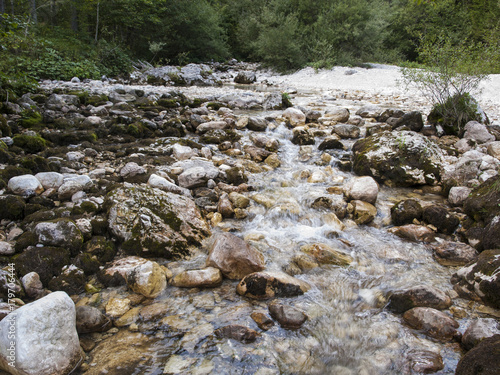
(60, 39)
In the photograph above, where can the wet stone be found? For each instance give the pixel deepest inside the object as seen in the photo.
(419, 296)
(424, 361)
(90, 319)
(204, 278)
(324, 254)
(454, 253)
(413, 232)
(262, 320)
(478, 330)
(287, 316)
(266, 285)
(237, 332)
(432, 322)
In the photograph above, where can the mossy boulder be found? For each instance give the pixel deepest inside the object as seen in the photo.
(71, 280)
(30, 143)
(12, 207)
(150, 222)
(405, 211)
(480, 280)
(100, 247)
(400, 158)
(46, 261)
(483, 203)
(60, 232)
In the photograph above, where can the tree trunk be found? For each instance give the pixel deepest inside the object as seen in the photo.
(97, 23)
(2, 6)
(34, 16)
(74, 17)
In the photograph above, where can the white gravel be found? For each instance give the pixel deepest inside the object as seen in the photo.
(382, 83)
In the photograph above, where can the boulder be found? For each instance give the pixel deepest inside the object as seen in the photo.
(346, 131)
(50, 180)
(209, 277)
(54, 259)
(12, 207)
(234, 257)
(324, 254)
(445, 221)
(245, 77)
(294, 117)
(62, 233)
(266, 285)
(237, 332)
(480, 280)
(370, 111)
(257, 124)
(406, 211)
(483, 359)
(90, 319)
(267, 143)
(162, 183)
(26, 185)
(412, 120)
(151, 222)
(133, 172)
(46, 338)
(494, 149)
(334, 203)
(73, 185)
(334, 116)
(413, 232)
(71, 280)
(482, 203)
(491, 234)
(424, 362)
(148, 279)
(454, 253)
(478, 132)
(478, 330)
(458, 195)
(468, 169)
(287, 316)
(432, 322)
(419, 296)
(32, 285)
(400, 158)
(363, 189)
(302, 136)
(141, 275)
(262, 320)
(196, 172)
(331, 143)
(363, 212)
(211, 125)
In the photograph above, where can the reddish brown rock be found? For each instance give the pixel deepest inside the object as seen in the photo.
(432, 322)
(266, 285)
(413, 232)
(237, 332)
(287, 316)
(419, 296)
(234, 257)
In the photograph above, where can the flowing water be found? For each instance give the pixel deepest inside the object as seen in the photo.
(348, 332)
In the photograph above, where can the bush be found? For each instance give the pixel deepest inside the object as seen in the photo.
(452, 72)
(454, 113)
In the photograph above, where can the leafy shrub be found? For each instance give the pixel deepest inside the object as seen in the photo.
(454, 113)
(452, 72)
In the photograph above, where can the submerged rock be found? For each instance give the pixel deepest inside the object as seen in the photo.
(205, 278)
(424, 361)
(287, 316)
(324, 254)
(266, 285)
(413, 232)
(234, 257)
(237, 332)
(432, 322)
(151, 222)
(419, 296)
(46, 338)
(262, 320)
(454, 253)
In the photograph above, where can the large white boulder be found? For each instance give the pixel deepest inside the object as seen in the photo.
(43, 335)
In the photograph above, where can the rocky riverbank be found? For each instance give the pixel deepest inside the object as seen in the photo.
(202, 225)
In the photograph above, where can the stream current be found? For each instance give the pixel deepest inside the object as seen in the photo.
(349, 330)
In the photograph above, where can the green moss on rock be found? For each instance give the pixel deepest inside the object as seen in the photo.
(29, 143)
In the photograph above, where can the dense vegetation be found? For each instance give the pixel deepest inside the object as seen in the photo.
(89, 38)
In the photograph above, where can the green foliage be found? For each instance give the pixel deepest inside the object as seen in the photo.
(454, 113)
(452, 72)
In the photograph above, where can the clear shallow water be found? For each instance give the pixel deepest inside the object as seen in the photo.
(348, 331)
